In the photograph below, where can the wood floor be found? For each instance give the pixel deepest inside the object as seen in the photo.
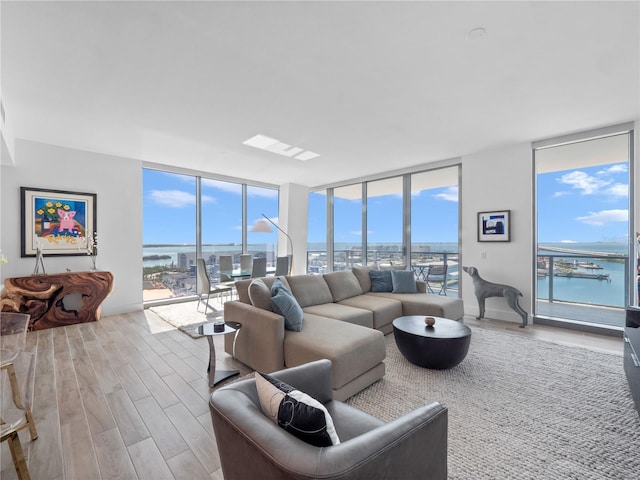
(126, 397)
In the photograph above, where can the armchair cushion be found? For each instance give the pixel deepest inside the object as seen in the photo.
(295, 411)
(403, 281)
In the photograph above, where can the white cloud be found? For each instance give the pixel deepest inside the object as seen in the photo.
(618, 190)
(563, 193)
(173, 198)
(568, 241)
(618, 168)
(587, 184)
(449, 195)
(605, 216)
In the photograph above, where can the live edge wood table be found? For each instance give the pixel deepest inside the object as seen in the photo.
(57, 299)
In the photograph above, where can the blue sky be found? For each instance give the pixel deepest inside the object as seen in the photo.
(169, 210)
(583, 205)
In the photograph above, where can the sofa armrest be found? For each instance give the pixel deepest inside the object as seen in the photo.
(415, 443)
(260, 342)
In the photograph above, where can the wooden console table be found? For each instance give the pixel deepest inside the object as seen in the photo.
(57, 299)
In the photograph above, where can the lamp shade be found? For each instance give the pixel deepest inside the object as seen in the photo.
(262, 226)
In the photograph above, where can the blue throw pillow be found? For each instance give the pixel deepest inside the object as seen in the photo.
(285, 304)
(403, 281)
(381, 280)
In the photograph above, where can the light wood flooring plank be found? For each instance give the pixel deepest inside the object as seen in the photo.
(148, 461)
(187, 395)
(181, 368)
(166, 436)
(113, 457)
(161, 367)
(132, 383)
(131, 426)
(47, 449)
(97, 411)
(158, 388)
(187, 467)
(201, 443)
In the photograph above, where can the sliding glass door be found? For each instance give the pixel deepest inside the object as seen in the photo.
(584, 247)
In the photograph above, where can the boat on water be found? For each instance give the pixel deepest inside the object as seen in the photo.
(590, 265)
(574, 274)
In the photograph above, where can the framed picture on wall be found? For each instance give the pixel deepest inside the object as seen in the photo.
(56, 221)
(494, 226)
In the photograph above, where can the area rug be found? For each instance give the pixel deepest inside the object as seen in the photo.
(185, 316)
(521, 409)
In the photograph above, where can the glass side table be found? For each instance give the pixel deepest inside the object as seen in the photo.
(216, 377)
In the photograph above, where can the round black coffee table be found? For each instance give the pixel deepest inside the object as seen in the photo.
(442, 346)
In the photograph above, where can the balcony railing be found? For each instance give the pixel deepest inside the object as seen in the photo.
(317, 263)
(588, 279)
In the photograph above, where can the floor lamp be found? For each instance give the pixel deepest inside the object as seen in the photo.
(262, 226)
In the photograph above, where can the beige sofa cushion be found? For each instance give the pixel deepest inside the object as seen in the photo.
(426, 304)
(242, 288)
(362, 274)
(259, 291)
(260, 294)
(357, 316)
(310, 289)
(353, 350)
(343, 285)
(384, 310)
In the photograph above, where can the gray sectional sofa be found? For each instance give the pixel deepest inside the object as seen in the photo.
(344, 321)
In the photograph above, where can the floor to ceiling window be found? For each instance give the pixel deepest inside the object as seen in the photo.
(384, 222)
(221, 224)
(435, 225)
(171, 209)
(407, 220)
(584, 247)
(317, 232)
(347, 227)
(169, 229)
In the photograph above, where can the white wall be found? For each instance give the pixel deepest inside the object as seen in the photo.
(498, 180)
(118, 185)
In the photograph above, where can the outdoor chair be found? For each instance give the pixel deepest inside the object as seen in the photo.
(437, 273)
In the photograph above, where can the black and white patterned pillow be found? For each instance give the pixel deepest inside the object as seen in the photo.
(295, 411)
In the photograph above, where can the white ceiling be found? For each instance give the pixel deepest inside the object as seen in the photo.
(370, 86)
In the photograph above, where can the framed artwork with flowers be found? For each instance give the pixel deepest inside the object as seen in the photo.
(57, 222)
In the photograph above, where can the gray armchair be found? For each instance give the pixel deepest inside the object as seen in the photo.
(253, 446)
